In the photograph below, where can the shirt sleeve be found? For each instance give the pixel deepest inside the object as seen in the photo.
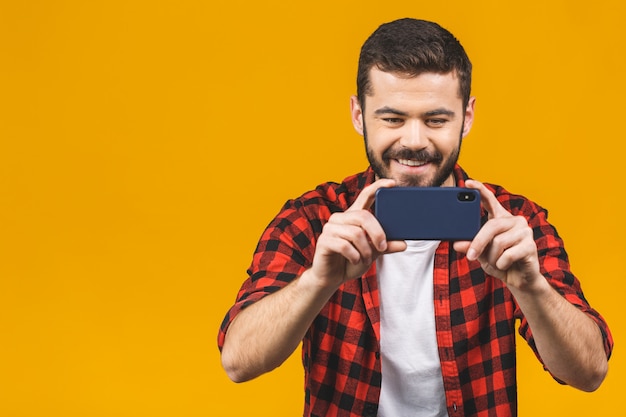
(285, 250)
(554, 265)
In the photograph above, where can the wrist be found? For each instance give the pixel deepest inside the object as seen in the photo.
(311, 283)
(534, 287)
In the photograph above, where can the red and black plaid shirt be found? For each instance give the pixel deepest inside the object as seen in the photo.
(475, 314)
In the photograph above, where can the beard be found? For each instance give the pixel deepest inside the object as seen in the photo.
(445, 166)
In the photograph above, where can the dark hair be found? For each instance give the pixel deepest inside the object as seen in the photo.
(412, 47)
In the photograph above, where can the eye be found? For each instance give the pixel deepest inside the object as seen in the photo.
(436, 122)
(393, 120)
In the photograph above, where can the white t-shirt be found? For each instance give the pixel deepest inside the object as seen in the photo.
(412, 384)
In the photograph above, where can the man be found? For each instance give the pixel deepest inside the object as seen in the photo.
(416, 328)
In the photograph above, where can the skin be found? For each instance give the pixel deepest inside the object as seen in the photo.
(418, 119)
(568, 341)
(406, 118)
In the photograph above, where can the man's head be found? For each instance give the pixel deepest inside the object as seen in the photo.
(413, 103)
(412, 47)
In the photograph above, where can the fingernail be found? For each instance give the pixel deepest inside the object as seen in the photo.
(471, 254)
(382, 246)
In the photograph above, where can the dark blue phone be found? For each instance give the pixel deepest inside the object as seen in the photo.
(428, 213)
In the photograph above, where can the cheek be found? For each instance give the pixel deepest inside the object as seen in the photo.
(448, 142)
(381, 138)
(451, 147)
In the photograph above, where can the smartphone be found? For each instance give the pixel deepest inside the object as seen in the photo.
(428, 213)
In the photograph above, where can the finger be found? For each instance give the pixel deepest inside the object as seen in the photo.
(521, 247)
(461, 246)
(375, 232)
(353, 228)
(489, 200)
(366, 222)
(486, 235)
(508, 258)
(366, 198)
(396, 246)
(357, 237)
(502, 261)
(336, 245)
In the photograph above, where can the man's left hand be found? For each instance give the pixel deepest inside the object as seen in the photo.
(504, 246)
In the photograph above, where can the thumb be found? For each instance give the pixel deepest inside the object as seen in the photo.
(396, 246)
(366, 198)
(461, 246)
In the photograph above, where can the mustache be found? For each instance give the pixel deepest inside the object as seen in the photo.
(422, 155)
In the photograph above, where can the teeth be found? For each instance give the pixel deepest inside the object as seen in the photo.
(411, 162)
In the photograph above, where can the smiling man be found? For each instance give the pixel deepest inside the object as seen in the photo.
(411, 328)
(415, 124)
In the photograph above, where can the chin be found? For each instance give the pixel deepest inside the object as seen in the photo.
(415, 182)
(407, 180)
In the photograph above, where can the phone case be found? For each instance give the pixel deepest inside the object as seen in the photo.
(435, 213)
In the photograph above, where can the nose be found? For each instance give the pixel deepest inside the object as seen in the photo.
(414, 136)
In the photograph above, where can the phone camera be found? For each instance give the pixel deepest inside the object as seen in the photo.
(466, 196)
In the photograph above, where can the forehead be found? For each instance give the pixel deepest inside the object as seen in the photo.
(426, 88)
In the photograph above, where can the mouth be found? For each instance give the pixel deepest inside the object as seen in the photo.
(411, 162)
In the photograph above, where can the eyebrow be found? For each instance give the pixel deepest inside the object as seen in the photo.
(437, 112)
(389, 110)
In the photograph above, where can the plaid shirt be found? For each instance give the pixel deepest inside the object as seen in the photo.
(475, 314)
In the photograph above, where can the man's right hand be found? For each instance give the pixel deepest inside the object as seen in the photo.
(351, 241)
(262, 336)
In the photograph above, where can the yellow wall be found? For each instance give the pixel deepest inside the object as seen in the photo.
(144, 145)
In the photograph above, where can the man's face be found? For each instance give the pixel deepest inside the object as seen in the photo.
(413, 126)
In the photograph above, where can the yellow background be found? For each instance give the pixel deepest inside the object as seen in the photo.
(144, 146)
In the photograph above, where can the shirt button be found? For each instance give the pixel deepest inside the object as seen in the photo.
(370, 410)
(377, 354)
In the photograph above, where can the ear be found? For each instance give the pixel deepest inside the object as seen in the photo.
(357, 115)
(469, 116)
